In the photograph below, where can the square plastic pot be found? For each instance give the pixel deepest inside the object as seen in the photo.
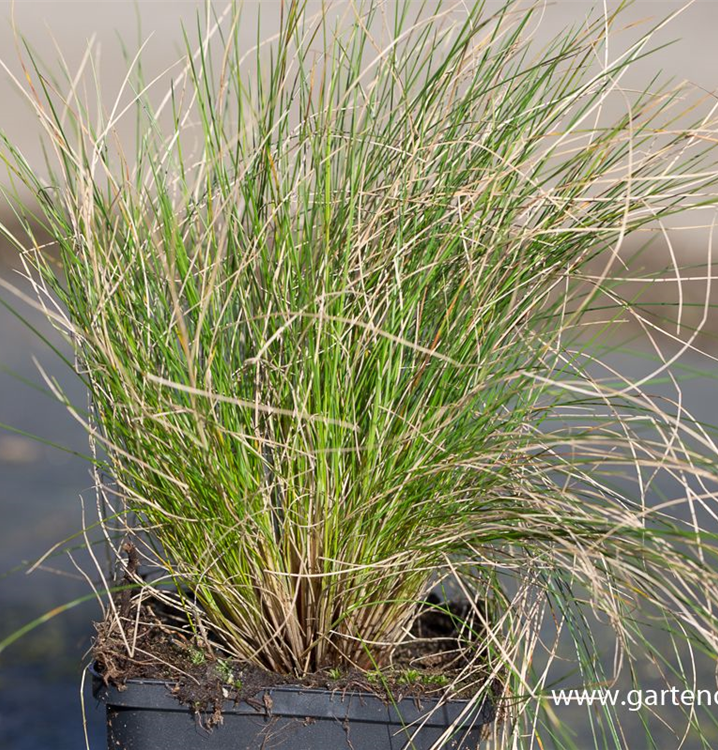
(147, 716)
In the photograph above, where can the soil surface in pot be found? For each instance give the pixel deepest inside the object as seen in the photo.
(203, 679)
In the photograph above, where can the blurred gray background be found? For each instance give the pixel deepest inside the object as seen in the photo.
(40, 486)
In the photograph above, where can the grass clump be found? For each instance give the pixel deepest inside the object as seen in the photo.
(337, 315)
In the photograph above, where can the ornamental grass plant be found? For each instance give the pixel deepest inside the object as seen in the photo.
(343, 307)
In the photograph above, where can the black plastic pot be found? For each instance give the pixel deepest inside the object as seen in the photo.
(146, 716)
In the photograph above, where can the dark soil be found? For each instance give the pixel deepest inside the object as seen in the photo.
(164, 650)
